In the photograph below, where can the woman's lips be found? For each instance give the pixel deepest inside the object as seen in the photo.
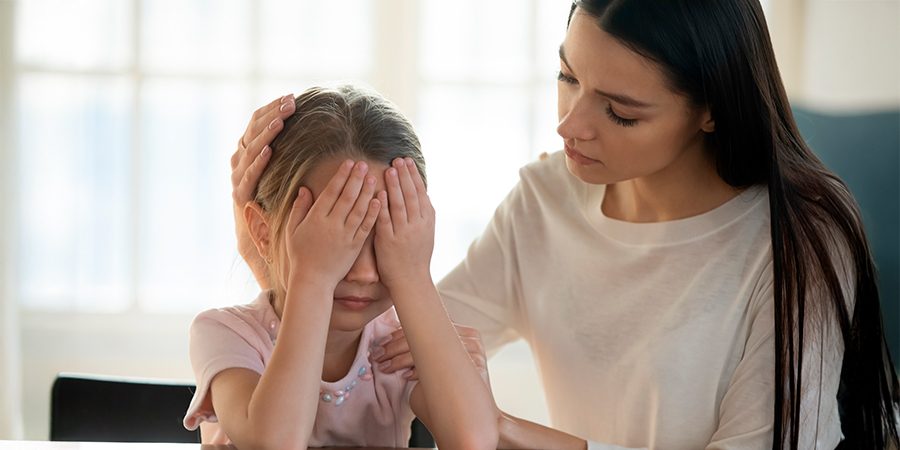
(578, 157)
(354, 303)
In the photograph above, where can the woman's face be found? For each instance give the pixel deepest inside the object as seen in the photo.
(618, 119)
(360, 296)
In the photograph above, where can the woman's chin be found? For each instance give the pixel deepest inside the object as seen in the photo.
(591, 174)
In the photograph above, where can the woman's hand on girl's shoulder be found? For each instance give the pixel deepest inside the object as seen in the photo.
(404, 232)
(247, 164)
(324, 238)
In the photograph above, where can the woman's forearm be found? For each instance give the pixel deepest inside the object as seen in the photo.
(464, 415)
(519, 433)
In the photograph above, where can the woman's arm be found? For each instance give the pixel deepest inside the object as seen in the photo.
(247, 164)
(460, 409)
(277, 409)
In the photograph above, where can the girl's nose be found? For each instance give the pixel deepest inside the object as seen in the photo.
(364, 269)
(575, 120)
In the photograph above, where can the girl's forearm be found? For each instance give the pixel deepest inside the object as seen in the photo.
(464, 414)
(519, 433)
(284, 403)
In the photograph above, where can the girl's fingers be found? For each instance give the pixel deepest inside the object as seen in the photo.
(301, 207)
(245, 188)
(395, 195)
(411, 375)
(361, 208)
(350, 192)
(410, 197)
(369, 222)
(384, 226)
(421, 191)
(335, 186)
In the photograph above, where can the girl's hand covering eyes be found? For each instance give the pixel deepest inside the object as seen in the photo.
(404, 233)
(325, 239)
(247, 164)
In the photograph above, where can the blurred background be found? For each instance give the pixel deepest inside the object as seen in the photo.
(118, 118)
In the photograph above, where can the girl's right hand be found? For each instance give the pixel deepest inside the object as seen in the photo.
(247, 164)
(325, 239)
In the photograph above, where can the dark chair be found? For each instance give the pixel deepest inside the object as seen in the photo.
(119, 409)
(864, 150)
(126, 409)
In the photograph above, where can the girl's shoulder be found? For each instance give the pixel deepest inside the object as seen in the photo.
(254, 318)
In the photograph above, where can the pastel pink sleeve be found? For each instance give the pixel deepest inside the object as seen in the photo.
(219, 341)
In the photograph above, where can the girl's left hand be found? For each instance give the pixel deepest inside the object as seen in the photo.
(404, 232)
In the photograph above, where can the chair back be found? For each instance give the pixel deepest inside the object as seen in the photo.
(120, 409)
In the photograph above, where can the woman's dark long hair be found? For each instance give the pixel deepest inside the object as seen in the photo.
(718, 53)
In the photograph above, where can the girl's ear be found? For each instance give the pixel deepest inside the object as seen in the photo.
(258, 228)
(707, 124)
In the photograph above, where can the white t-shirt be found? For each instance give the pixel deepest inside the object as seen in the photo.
(652, 335)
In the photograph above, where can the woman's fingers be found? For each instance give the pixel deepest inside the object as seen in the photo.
(267, 122)
(246, 188)
(407, 187)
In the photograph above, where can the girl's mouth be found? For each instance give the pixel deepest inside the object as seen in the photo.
(354, 303)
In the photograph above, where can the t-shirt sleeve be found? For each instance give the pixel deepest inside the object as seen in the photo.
(747, 413)
(483, 291)
(219, 340)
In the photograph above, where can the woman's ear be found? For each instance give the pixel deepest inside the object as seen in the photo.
(707, 124)
(258, 228)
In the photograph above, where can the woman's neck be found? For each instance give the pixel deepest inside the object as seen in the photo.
(340, 347)
(685, 189)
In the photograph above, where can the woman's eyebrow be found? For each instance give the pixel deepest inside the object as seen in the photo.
(618, 98)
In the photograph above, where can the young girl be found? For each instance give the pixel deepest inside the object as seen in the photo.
(688, 274)
(293, 368)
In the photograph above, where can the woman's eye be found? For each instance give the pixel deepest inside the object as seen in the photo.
(565, 78)
(619, 120)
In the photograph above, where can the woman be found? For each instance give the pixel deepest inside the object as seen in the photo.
(687, 272)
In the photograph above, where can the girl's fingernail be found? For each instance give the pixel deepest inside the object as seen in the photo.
(301, 193)
(392, 172)
(287, 97)
(384, 339)
(363, 166)
(378, 353)
(275, 123)
(383, 366)
(409, 374)
(399, 162)
(286, 106)
(266, 151)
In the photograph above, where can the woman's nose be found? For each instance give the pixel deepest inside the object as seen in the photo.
(575, 120)
(364, 269)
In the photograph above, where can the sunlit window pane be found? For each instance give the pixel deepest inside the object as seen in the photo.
(476, 40)
(196, 36)
(75, 193)
(474, 140)
(324, 39)
(74, 34)
(186, 232)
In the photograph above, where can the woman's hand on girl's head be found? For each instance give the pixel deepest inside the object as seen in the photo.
(247, 164)
(404, 232)
(324, 239)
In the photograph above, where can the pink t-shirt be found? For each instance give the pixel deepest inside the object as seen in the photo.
(366, 408)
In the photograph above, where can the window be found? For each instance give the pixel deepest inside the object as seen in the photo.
(127, 117)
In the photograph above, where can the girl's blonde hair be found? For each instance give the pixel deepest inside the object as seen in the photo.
(345, 121)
